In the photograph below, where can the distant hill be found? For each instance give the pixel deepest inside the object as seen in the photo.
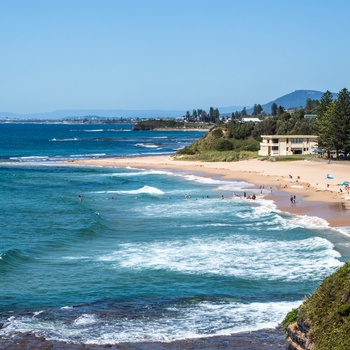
(294, 99)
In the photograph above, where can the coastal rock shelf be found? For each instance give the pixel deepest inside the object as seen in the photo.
(297, 336)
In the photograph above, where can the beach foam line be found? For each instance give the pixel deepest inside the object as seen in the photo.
(177, 321)
(143, 190)
(146, 145)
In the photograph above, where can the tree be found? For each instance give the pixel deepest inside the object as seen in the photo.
(326, 100)
(311, 106)
(333, 122)
(257, 109)
(244, 112)
(280, 110)
(323, 122)
(341, 119)
(274, 109)
(266, 127)
(214, 115)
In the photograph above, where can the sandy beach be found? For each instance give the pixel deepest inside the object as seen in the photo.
(316, 194)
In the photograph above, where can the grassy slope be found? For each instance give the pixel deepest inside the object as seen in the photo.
(327, 312)
(216, 145)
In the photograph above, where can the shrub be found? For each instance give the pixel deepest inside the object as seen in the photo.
(223, 145)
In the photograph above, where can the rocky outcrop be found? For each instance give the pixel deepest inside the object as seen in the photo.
(322, 322)
(297, 336)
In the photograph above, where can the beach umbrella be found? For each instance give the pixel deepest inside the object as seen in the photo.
(344, 183)
(329, 176)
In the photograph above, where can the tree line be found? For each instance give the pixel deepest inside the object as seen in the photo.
(331, 123)
(213, 115)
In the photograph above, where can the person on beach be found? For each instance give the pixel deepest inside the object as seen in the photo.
(291, 199)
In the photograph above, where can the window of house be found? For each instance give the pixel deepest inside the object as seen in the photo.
(275, 148)
(274, 140)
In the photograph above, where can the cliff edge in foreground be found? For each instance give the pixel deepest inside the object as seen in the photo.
(322, 321)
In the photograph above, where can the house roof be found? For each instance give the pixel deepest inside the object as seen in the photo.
(290, 136)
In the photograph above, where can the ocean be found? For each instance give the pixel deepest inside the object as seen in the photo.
(103, 255)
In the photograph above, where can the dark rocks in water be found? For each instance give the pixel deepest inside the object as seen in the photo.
(267, 339)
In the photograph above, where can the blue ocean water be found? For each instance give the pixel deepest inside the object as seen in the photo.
(112, 254)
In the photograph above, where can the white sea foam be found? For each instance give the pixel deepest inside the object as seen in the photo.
(30, 158)
(345, 230)
(203, 180)
(85, 319)
(87, 155)
(146, 145)
(145, 189)
(139, 173)
(202, 319)
(156, 153)
(66, 139)
(313, 222)
(237, 255)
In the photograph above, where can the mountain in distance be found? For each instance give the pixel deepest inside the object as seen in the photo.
(295, 99)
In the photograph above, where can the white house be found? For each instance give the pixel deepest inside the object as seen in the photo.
(285, 145)
(248, 119)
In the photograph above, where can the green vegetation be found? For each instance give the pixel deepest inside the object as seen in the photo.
(223, 143)
(152, 124)
(327, 312)
(333, 122)
(290, 318)
(216, 156)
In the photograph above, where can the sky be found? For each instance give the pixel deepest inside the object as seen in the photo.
(168, 54)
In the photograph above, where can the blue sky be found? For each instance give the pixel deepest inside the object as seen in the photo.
(168, 54)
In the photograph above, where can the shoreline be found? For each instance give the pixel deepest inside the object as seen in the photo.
(316, 195)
